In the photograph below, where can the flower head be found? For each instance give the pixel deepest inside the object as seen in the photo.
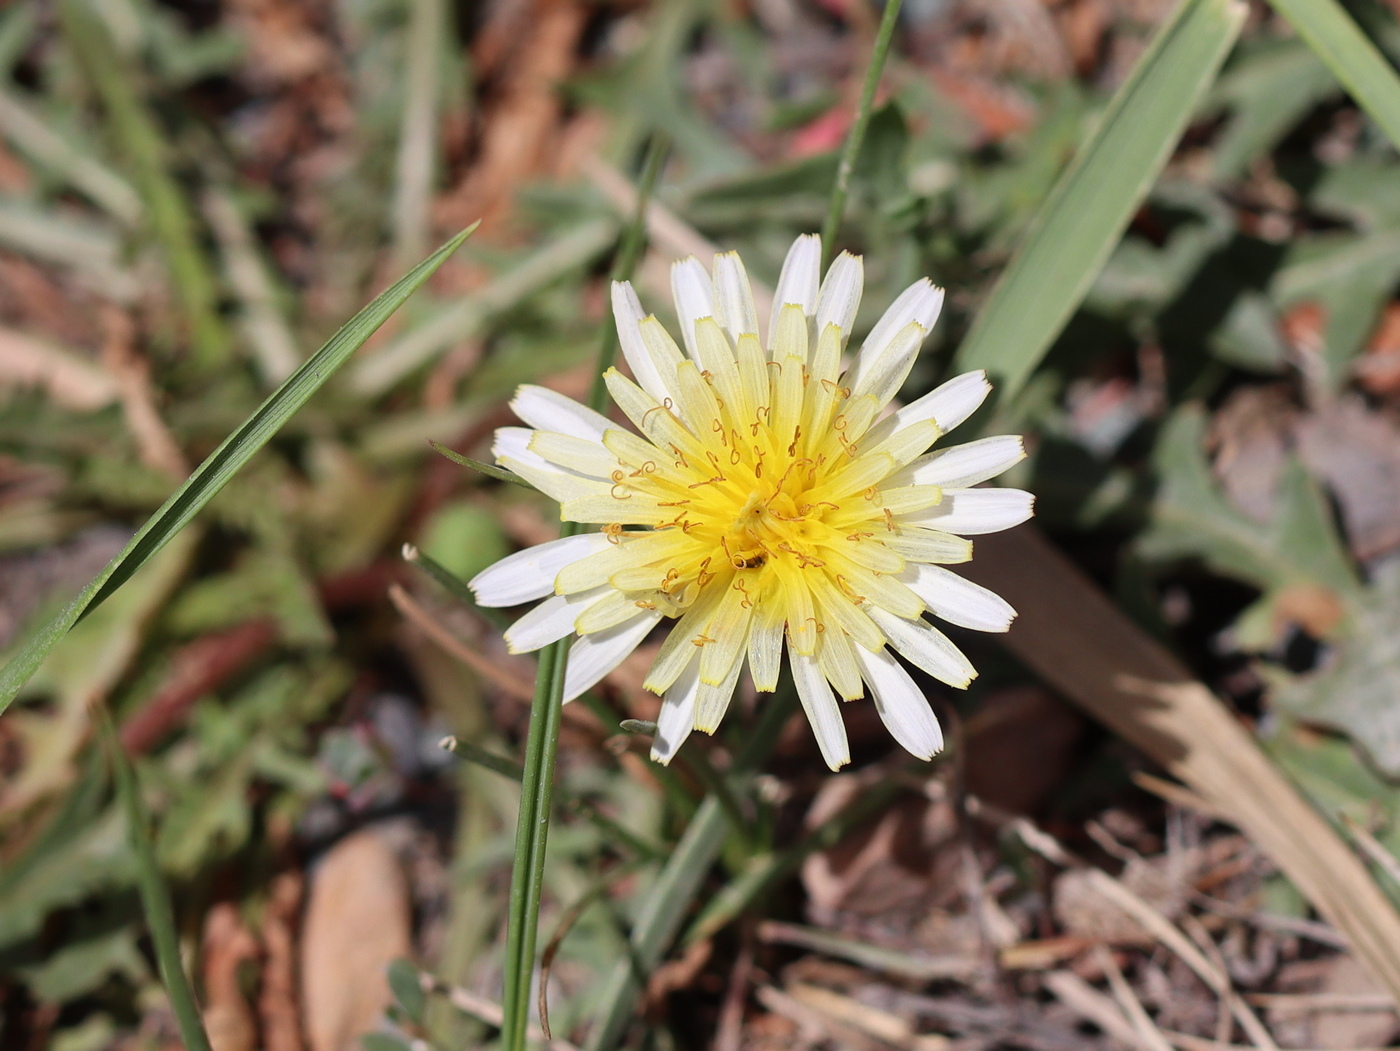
(763, 498)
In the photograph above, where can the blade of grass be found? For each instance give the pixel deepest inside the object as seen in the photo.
(488, 469)
(851, 150)
(1087, 211)
(423, 57)
(171, 219)
(542, 740)
(465, 319)
(264, 326)
(221, 465)
(670, 897)
(155, 895)
(767, 871)
(94, 180)
(1350, 55)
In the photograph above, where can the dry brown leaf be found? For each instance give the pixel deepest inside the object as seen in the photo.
(890, 864)
(357, 921)
(522, 126)
(277, 997)
(1084, 646)
(228, 945)
(73, 382)
(1352, 1029)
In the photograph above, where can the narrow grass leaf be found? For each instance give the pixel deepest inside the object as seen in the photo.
(167, 210)
(222, 464)
(1350, 55)
(481, 467)
(155, 895)
(1087, 211)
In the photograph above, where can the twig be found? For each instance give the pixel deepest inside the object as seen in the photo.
(1087, 1002)
(729, 1032)
(1373, 848)
(1149, 1037)
(1172, 938)
(511, 683)
(1301, 1003)
(484, 1010)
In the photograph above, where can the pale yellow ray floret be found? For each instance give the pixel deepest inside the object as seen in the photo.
(762, 501)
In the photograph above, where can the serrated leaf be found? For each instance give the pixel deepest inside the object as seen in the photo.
(1191, 518)
(1356, 688)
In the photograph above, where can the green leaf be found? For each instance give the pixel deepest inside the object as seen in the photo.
(407, 989)
(1353, 59)
(1352, 278)
(222, 464)
(1354, 691)
(1078, 226)
(1192, 519)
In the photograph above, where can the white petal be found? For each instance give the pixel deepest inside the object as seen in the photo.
(734, 308)
(593, 656)
(965, 465)
(713, 701)
(511, 449)
(548, 410)
(551, 620)
(529, 574)
(956, 600)
(628, 314)
(797, 282)
(691, 287)
(839, 298)
(881, 377)
(677, 718)
(922, 302)
(926, 647)
(947, 405)
(902, 705)
(972, 512)
(822, 708)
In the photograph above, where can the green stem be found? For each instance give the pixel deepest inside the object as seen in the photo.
(856, 136)
(542, 740)
(155, 895)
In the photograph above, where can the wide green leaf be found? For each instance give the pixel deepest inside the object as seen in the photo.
(1090, 206)
(1352, 58)
(222, 464)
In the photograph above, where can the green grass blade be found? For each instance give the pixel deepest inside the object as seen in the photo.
(168, 212)
(670, 897)
(155, 895)
(1090, 206)
(1350, 55)
(222, 464)
(488, 469)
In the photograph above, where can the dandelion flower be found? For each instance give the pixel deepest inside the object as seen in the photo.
(762, 499)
